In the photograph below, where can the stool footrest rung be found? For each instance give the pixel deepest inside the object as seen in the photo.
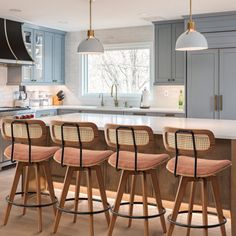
(139, 217)
(31, 205)
(84, 212)
(196, 226)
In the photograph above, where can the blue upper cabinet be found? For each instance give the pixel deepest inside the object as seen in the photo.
(47, 47)
(59, 59)
(169, 64)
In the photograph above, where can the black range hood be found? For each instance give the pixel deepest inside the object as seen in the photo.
(12, 46)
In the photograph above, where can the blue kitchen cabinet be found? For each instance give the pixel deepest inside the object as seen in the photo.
(169, 64)
(47, 47)
(59, 59)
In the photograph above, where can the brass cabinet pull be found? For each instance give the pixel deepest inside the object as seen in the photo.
(216, 103)
(221, 102)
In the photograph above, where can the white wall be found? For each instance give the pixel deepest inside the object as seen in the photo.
(113, 36)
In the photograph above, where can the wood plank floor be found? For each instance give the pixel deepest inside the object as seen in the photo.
(19, 225)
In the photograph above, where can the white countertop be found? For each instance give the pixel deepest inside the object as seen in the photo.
(109, 108)
(222, 129)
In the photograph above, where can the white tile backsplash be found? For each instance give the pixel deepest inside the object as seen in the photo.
(7, 91)
(166, 96)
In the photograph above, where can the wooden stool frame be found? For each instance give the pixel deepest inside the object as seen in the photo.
(19, 172)
(69, 174)
(184, 180)
(124, 179)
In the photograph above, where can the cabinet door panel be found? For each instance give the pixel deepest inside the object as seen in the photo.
(163, 53)
(27, 71)
(178, 61)
(48, 57)
(59, 58)
(202, 67)
(39, 56)
(227, 85)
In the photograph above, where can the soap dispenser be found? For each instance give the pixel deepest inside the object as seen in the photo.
(145, 99)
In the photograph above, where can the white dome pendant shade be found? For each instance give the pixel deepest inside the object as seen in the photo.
(91, 45)
(191, 40)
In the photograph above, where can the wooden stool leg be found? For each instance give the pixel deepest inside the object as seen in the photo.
(77, 190)
(204, 204)
(131, 198)
(90, 200)
(156, 188)
(119, 195)
(145, 203)
(216, 193)
(190, 206)
(178, 200)
(48, 176)
(38, 192)
(102, 192)
(18, 172)
(67, 181)
(26, 187)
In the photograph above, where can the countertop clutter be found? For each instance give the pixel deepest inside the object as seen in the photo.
(222, 129)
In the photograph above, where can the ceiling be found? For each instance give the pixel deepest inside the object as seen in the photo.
(72, 15)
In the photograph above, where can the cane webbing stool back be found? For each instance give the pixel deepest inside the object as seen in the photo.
(189, 146)
(26, 136)
(132, 144)
(78, 141)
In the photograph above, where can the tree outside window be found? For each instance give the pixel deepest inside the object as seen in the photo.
(128, 68)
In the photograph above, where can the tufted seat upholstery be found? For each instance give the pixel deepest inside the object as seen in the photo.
(38, 153)
(205, 168)
(144, 161)
(90, 157)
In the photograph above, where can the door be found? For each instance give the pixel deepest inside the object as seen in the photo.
(27, 71)
(39, 56)
(163, 53)
(227, 84)
(48, 57)
(59, 54)
(178, 58)
(202, 84)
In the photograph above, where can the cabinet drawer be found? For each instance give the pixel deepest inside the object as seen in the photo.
(45, 113)
(67, 111)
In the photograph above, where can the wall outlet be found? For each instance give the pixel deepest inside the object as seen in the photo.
(166, 93)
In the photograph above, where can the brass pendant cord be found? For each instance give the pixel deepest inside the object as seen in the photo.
(90, 14)
(190, 18)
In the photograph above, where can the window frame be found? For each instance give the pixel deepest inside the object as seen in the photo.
(125, 46)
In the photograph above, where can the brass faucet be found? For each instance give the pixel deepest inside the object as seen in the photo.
(116, 102)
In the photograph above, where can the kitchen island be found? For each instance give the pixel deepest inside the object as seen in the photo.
(225, 148)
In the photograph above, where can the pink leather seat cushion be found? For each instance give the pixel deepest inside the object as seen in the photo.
(38, 153)
(90, 157)
(205, 167)
(145, 161)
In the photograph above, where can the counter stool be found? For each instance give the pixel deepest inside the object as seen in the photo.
(76, 139)
(130, 143)
(25, 136)
(188, 145)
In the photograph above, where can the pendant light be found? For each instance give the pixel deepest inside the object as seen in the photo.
(191, 40)
(91, 45)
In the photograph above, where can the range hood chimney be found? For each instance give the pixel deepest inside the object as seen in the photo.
(12, 46)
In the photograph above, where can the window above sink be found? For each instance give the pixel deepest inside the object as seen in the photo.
(127, 65)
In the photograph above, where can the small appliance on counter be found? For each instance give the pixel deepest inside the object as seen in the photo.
(21, 98)
(145, 99)
(58, 98)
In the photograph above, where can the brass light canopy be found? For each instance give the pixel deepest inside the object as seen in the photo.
(91, 45)
(191, 40)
